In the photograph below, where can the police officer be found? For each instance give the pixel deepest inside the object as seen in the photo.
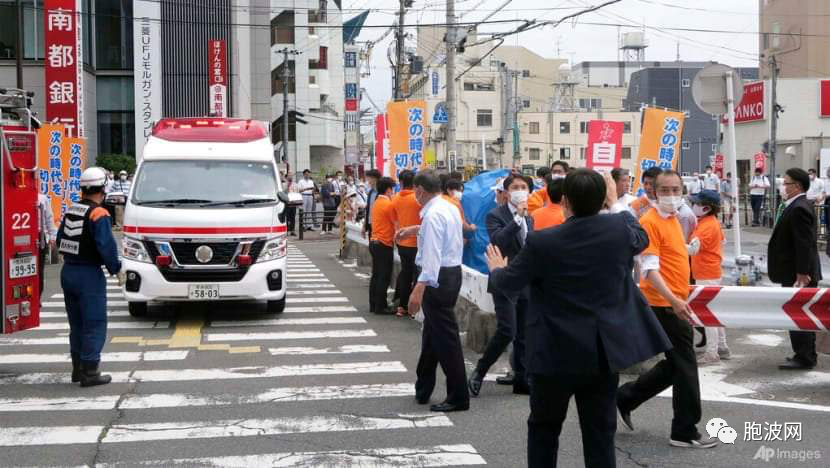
(85, 239)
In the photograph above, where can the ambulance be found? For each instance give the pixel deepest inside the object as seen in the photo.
(204, 219)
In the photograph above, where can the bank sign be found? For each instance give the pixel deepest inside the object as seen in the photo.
(751, 108)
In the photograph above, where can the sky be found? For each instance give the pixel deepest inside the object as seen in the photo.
(580, 40)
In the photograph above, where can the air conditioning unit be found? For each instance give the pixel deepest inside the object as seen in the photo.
(441, 164)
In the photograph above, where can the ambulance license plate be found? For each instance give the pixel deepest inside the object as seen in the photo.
(22, 267)
(203, 292)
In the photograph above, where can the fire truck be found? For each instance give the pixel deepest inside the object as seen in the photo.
(19, 294)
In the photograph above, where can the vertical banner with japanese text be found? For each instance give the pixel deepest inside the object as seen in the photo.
(74, 164)
(604, 145)
(660, 141)
(218, 78)
(380, 143)
(63, 64)
(407, 132)
(147, 69)
(61, 161)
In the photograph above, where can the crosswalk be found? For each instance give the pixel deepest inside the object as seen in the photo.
(320, 363)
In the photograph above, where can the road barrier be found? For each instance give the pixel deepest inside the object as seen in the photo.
(806, 309)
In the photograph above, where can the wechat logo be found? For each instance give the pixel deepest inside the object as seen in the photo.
(717, 427)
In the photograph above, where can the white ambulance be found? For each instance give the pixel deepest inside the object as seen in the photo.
(204, 220)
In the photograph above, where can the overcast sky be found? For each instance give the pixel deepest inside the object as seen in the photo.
(582, 41)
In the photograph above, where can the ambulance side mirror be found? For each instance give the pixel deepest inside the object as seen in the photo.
(283, 197)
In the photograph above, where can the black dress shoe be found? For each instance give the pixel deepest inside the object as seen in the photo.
(450, 407)
(625, 416)
(475, 383)
(421, 400)
(795, 364)
(506, 380)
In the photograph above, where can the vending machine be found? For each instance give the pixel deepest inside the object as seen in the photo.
(19, 223)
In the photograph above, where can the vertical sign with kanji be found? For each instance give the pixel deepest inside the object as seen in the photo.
(147, 69)
(61, 161)
(604, 144)
(660, 142)
(407, 133)
(218, 78)
(63, 64)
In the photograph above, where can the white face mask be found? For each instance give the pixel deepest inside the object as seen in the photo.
(669, 204)
(518, 197)
(457, 195)
(557, 176)
(782, 190)
(700, 211)
(123, 177)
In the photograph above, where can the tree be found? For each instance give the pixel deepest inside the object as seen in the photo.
(116, 162)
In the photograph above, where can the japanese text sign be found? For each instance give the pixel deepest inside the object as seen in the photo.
(147, 67)
(604, 144)
(660, 140)
(63, 64)
(751, 108)
(61, 161)
(407, 132)
(824, 98)
(218, 78)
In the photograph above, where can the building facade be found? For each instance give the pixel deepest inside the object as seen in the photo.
(797, 33)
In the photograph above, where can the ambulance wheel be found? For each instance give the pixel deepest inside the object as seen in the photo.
(137, 309)
(276, 307)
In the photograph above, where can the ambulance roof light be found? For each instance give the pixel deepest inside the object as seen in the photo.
(210, 130)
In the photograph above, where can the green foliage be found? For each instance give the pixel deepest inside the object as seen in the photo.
(116, 162)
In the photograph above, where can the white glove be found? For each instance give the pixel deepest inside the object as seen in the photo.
(693, 247)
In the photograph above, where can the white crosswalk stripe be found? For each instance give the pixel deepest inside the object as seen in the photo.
(34, 367)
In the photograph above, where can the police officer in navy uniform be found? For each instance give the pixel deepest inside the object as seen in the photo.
(85, 239)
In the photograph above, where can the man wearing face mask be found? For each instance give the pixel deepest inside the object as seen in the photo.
(643, 204)
(815, 194)
(666, 270)
(454, 194)
(792, 257)
(710, 180)
(507, 227)
(539, 198)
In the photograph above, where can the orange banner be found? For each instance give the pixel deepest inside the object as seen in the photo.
(61, 161)
(406, 121)
(660, 142)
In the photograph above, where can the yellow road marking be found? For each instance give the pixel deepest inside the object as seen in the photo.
(187, 334)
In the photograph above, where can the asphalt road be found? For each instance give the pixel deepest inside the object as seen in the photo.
(328, 384)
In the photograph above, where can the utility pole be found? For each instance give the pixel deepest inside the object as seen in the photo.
(773, 130)
(516, 130)
(18, 56)
(450, 80)
(286, 114)
(399, 51)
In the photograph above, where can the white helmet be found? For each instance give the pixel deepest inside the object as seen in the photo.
(93, 177)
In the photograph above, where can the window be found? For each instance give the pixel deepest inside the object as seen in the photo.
(350, 60)
(112, 22)
(626, 152)
(276, 78)
(282, 28)
(312, 80)
(588, 104)
(534, 128)
(312, 31)
(583, 127)
(32, 30)
(686, 145)
(472, 86)
(564, 153)
(526, 103)
(525, 73)
(322, 63)
(564, 127)
(484, 117)
(626, 127)
(535, 154)
(685, 82)
(116, 117)
(582, 153)
(318, 15)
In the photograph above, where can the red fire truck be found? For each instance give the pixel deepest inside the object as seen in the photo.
(19, 303)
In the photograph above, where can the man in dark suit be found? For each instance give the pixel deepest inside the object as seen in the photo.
(587, 319)
(793, 257)
(507, 227)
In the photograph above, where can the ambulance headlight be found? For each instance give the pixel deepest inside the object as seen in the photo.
(274, 248)
(133, 249)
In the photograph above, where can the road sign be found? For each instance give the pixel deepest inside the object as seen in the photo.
(441, 116)
(709, 88)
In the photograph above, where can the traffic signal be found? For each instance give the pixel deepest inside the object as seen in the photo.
(295, 117)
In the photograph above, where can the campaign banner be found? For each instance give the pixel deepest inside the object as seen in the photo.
(380, 143)
(604, 144)
(61, 161)
(761, 161)
(218, 74)
(718, 163)
(824, 98)
(407, 134)
(63, 64)
(147, 68)
(660, 140)
(751, 107)
(75, 154)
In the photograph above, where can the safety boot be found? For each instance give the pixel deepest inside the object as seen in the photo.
(76, 367)
(90, 376)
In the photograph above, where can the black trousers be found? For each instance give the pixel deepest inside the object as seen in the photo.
(328, 217)
(440, 342)
(596, 405)
(678, 370)
(291, 218)
(756, 201)
(406, 278)
(804, 342)
(382, 262)
(41, 268)
(510, 326)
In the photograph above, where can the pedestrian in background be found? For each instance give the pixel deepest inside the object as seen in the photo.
(706, 250)
(123, 185)
(86, 242)
(372, 177)
(291, 209)
(588, 319)
(329, 203)
(407, 213)
(539, 198)
(453, 193)
(440, 247)
(757, 192)
(643, 204)
(727, 203)
(381, 246)
(711, 180)
(792, 258)
(666, 267)
(306, 188)
(815, 194)
(552, 214)
(622, 180)
(47, 234)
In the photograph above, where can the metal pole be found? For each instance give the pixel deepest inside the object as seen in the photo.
(733, 156)
(773, 131)
(399, 52)
(285, 114)
(699, 154)
(450, 80)
(18, 56)
(483, 155)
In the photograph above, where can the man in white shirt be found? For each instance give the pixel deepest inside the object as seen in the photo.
(711, 180)
(47, 234)
(624, 198)
(440, 247)
(726, 200)
(816, 192)
(758, 187)
(306, 188)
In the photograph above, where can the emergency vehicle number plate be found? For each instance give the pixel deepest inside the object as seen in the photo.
(22, 267)
(203, 292)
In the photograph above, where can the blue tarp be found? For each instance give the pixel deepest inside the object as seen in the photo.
(479, 199)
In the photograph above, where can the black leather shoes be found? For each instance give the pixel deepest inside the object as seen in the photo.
(449, 407)
(76, 367)
(506, 380)
(91, 376)
(475, 383)
(795, 364)
(625, 416)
